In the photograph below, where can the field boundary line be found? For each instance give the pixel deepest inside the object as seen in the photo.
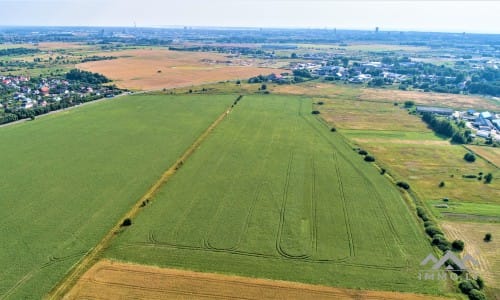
(484, 158)
(64, 286)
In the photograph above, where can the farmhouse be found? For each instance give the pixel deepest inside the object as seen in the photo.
(435, 110)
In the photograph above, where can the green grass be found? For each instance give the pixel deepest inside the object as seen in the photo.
(67, 178)
(468, 208)
(273, 193)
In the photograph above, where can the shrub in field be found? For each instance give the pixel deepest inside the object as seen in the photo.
(476, 295)
(441, 184)
(320, 103)
(470, 157)
(457, 245)
(487, 237)
(315, 112)
(480, 282)
(333, 129)
(369, 158)
(126, 222)
(422, 214)
(466, 286)
(488, 178)
(433, 230)
(382, 171)
(362, 152)
(469, 176)
(429, 223)
(403, 185)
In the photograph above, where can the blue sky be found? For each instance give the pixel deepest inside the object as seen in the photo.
(455, 16)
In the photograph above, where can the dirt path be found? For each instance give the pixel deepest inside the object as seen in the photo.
(93, 255)
(118, 280)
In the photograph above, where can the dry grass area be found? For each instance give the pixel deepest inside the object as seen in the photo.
(366, 115)
(489, 153)
(434, 99)
(386, 95)
(153, 69)
(114, 280)
(488, 254)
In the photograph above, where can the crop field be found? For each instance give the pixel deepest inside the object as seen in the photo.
(153, 69)
(272, 193)
(488, 254)
(67, 178)
(119, 280)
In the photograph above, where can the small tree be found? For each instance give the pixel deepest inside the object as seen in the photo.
(487, 237)
(470, 157)
(488, 178)
(382, 171)
(409, 104)
(126, 222)
(263, 87)
(315, 112)
(457, 245)
(441, 184)
(476, 295)
(369, 158)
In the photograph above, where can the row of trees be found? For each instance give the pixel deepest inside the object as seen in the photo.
(18, 51)
(445, 127)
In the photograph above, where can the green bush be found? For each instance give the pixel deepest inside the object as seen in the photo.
(487, 237)
(476, 295)
(126, 222)
(488, 178)
(422, 214)
(403, 185)
(470, 157)
(362, 152)
(429, 223)
(433, 230)
(466, 286)
(457, 245)
(369, 158)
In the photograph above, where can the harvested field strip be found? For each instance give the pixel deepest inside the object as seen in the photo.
(118, 280)
(91, 257)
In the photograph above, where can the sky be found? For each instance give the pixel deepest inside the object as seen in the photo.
(446, 16)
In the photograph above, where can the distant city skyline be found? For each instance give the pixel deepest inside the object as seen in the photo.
(445, 16)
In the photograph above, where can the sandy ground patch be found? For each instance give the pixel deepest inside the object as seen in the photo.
(113, 280)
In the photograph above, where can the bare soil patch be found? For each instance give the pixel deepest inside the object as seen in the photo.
(114, 280)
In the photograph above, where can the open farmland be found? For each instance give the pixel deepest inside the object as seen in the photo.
(272, 193)
(408, 149)
(489, 153)
(153, 69)
(67, 178)
(118, 280)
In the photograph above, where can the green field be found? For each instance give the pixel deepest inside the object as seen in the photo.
(67, 178)
(273, 193)
(482, 211)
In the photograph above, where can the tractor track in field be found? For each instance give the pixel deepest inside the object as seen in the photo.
(93, 254)
(352, 249)
(314, 213)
